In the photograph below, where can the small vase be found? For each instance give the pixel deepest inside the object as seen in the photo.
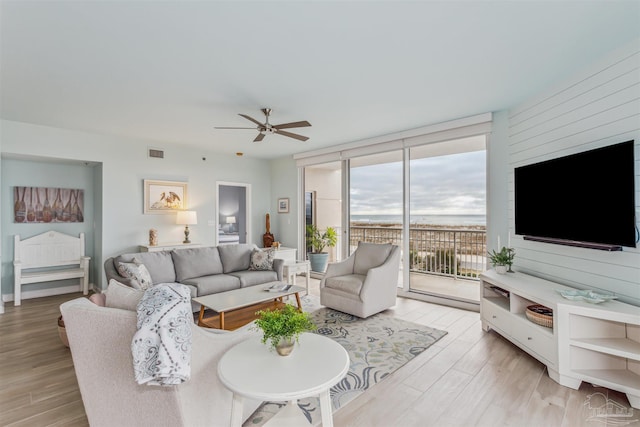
(501, 269)
(285, 346)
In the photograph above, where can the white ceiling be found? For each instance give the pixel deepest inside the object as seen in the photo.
(170, 71)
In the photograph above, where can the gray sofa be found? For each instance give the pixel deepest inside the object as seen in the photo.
(205, 270)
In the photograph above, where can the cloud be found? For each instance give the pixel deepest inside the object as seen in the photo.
(444, 185)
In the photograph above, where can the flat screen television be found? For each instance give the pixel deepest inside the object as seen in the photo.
(585, 199)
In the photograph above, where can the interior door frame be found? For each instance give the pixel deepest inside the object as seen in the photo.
(247, 187)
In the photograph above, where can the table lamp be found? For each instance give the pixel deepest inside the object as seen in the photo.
(186, 218)
(231, 220)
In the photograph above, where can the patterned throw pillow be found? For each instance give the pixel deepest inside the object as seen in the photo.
(262, 259)
(137, 272)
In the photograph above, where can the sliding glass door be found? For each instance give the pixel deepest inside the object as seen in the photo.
(447, 199)
(376, 202)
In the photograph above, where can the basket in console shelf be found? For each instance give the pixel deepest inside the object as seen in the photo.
(540, 315)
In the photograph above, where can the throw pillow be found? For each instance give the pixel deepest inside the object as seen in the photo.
(262, 259)
(122, 296)
(137, 272)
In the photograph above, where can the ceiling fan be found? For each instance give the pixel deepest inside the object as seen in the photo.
(267, 128)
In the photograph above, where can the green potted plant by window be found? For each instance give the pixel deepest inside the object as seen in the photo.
(502, 259)
(316, 242)
(282, 327)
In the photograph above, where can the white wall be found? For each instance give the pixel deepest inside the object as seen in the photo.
(125, 165)
(284, 226)
(599, 107)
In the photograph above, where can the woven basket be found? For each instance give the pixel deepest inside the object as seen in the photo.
(540, 315)
(62, 332)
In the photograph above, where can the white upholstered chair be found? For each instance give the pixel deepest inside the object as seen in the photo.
(364, 284)
(100, 342)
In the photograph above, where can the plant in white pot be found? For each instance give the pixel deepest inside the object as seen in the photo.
(316, 242)
(502, 259)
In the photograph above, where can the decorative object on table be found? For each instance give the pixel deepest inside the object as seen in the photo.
(153, 237)
(502, 259)
(29, 209)
(186, 218)
(540, 315)
(586, 295)
(275, 245)
(377, 347)
(282, 327)
(283, 205)
(163, 197)
(316, 242)
(267, 238)
(231, 220)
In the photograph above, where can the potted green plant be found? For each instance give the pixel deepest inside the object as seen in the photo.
(316, 242)
(282, 327)
(502, 259)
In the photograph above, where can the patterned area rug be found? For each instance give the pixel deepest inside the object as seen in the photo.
(377, 346)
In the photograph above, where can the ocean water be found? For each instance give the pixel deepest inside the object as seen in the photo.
(423, 219)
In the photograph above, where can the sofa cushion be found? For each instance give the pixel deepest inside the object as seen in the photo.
(370, 255)
(213, 284)
(262, 259)
(252, 278)
(236, 257)
(159, 264)
(137, 272)
(122, 296)
(351, 283)
(196, 262)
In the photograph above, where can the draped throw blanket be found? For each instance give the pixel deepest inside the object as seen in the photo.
(161, 347)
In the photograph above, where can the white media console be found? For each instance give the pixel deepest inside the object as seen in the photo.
(596, 343)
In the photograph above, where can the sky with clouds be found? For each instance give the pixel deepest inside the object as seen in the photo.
(444, 185)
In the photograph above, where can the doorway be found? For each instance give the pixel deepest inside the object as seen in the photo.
(233, 206)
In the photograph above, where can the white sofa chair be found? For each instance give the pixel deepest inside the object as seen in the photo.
(100, 342)
(364, 284)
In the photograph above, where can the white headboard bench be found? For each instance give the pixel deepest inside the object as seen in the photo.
(41, 258)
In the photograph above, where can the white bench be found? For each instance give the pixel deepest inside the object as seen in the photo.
(45, 255)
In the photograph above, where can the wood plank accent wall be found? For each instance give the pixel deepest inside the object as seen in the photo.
(599, 107)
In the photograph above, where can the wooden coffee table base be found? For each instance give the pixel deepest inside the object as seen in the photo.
(235, 319)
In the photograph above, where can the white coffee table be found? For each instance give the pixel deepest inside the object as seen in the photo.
(250, 369)
(224, 302)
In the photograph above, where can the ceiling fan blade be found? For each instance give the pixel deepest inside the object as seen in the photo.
(223, 127)
(292, 135)
(301, 124)
(259, 138)
(252, 119)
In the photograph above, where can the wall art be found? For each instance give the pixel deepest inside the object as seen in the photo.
(163, 197)
(47, 204)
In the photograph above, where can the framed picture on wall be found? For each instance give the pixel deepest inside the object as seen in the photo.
(47, 204)
(283, 205)
(164, 197)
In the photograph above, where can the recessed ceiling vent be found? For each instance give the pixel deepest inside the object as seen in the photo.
(157, 154)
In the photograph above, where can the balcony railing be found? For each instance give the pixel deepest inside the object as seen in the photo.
(453, 252)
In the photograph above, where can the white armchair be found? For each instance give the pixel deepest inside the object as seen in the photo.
(100, 342)
(365, 283)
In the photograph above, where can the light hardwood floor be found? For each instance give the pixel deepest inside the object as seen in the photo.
(468, 378)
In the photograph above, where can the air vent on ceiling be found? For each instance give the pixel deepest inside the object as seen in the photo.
(158, 154)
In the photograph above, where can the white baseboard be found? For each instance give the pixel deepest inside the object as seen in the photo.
(39, 293)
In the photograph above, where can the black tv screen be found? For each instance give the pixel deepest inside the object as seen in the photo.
(587, 197)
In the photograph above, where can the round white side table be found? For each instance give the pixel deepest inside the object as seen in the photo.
(250, 369)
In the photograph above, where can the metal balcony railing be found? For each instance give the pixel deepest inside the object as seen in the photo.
(458, 253)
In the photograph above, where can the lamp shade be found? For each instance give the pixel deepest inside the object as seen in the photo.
(231, 220)
(186, 217)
